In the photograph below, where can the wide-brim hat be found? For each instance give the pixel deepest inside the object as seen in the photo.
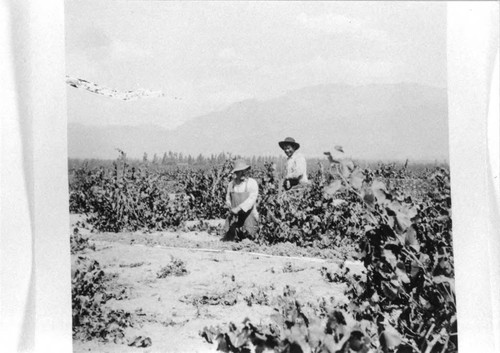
(289, 141)
(240, 164)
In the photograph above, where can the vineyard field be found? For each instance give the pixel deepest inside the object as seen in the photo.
(166, 309)
(357, 261)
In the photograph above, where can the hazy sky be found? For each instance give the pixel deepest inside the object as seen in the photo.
(207, 55)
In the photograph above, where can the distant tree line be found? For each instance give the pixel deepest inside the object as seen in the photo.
(172, 159)
(180, 159)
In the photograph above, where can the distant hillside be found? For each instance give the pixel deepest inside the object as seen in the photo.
(375, 121)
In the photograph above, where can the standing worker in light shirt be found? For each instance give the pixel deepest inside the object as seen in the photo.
(241, 198)
(296, 167)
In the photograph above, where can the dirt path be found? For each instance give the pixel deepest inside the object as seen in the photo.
(172, 310)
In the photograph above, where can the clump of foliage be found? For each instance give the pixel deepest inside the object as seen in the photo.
(260, 297)
(226, 297)
(307, 217)
(342, 275)
(79, 243)
(133, 198)
(206, 191)
(328, 214)
(403, 302)
(292, 330)
(91, 318)
(91, 289)
(133, 265)
(289, 267)
(176, 267)
(126, 198)
(140, 342)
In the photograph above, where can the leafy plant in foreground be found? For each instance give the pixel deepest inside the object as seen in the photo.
(91, 319)
(405, 300)
(176, 267)
(90, 291)
(79, 242)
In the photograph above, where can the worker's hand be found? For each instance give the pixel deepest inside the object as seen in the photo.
(235, 210)
(286, 184)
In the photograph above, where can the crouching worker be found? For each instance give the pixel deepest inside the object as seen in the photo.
(241, 199)
(296, 168)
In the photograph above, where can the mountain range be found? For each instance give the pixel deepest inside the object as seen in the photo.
(378, 121)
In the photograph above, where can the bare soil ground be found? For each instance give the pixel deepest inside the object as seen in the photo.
(220, 281)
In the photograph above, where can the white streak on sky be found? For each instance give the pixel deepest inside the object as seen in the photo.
(207, 55)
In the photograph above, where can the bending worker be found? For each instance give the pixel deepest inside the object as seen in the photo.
(341, 166)
(296, 167)
(241, 199)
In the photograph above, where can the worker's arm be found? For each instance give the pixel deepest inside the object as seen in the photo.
(228, 195)
(331, 159)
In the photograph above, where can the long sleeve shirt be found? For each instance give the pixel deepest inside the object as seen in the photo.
(296, 168)
(249, 185)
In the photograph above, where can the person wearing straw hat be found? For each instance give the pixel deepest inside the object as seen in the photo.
(341, 166)
(241, 198)
(296, 167)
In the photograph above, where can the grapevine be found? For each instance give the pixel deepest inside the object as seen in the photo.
(395, 221)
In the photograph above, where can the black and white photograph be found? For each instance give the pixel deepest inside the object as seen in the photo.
(254, 176)
(249, 176)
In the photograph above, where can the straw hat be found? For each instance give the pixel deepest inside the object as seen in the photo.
(289, 141)
(240, 164)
